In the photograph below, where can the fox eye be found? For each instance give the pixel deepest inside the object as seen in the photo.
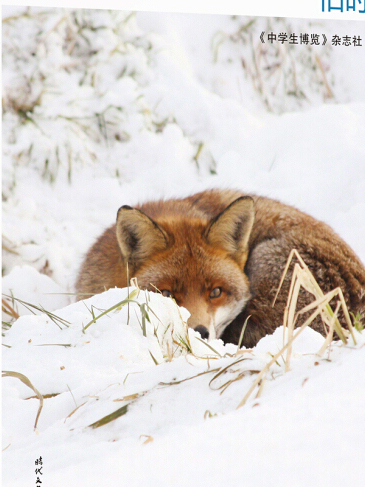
(217, 291)
(166, 293)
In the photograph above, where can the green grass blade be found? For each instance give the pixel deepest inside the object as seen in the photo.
(110, 417)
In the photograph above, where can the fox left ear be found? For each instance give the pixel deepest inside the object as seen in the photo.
(231, 229)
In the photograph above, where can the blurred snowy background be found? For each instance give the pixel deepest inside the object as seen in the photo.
(105, 108)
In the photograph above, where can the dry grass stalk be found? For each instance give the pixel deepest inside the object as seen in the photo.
(74, 411)
(9, 310)
(329, 337)
(224, 370)
(148, 439)
(269, 364)
(328, 93)
(26, 381)
(30, 307)
(302, 277)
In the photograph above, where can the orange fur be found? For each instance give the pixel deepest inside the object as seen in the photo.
(221, 254)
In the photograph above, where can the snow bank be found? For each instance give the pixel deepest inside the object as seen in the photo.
(179, 403)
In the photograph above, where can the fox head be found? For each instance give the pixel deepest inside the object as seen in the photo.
(197, 261)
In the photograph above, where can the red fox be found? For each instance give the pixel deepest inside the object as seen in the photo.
(221, 255)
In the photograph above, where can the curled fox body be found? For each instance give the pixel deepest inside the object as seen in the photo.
(221, 255)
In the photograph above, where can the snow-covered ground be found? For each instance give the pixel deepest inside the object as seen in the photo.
(102, 109)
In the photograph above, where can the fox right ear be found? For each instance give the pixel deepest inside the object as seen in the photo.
(231, 229)
(138, 236)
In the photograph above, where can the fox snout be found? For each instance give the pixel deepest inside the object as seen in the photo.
(209, 320)
(201, 322)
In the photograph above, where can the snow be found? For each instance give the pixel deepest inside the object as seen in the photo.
(102, 109)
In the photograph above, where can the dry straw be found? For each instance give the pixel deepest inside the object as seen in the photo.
(303, 278)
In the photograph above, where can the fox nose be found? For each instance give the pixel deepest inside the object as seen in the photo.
(204, 333)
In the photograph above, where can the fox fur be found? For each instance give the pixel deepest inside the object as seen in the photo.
(221, 255)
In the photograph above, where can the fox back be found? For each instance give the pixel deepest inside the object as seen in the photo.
(221, 255)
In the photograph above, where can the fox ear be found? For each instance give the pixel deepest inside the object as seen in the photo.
(138, 236)
(231, 229)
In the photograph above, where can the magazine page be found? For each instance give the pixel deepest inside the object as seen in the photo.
(183, 200)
